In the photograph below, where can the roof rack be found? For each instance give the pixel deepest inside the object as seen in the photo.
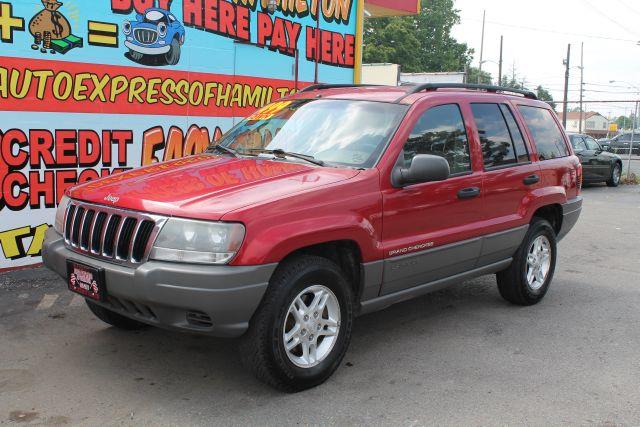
(330, 86)
(487, 88)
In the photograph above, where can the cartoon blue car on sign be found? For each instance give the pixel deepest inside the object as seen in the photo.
(156, 34)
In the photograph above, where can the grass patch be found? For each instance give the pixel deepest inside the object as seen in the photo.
(631, 179)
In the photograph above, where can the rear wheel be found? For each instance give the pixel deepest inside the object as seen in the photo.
(527, 280)
(114, 319)
(616, 173)
(302, 329)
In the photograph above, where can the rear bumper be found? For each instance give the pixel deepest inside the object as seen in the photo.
(570, 214)
(164, 294)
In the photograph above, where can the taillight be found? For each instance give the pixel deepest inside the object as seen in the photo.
(579, 177)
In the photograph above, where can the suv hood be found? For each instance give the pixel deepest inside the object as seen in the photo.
(206, 186)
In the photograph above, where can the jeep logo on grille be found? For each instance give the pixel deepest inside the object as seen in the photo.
(112, 199)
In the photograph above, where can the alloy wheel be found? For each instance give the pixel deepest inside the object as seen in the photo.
(538, 263)
(311, 326)
(617, 173)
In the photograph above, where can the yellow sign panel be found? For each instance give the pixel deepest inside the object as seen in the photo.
(613, 127)
(269, 111)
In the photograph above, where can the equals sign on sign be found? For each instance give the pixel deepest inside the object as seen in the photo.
(103, 34)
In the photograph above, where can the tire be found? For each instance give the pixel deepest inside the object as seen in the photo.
(136, 56)
(114, 319)
(513, 282)
(616, 173)
(262, 348)
(173, 56)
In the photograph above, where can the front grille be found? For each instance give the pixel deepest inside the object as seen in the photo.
(145, 35)
(112, 234)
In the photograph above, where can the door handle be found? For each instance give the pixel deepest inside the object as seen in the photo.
(468, 193)
(531, 179)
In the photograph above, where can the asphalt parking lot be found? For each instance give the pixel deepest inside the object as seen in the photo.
(461, 356)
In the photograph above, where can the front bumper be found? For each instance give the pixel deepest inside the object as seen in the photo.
(171, 295)
(161, 50)
(570, 214)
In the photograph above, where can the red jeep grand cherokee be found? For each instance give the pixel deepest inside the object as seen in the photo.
(332, 203)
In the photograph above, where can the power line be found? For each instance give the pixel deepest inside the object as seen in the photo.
(608, 18)
(547, 30)
(629, 7)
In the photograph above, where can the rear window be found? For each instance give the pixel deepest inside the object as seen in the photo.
(546, 134)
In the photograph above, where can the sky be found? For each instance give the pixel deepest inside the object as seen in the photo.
(536, 35)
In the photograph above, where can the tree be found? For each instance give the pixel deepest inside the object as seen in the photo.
(511, 83)
(421, 43)
(473, 73)
(545, 95)
(625, 122)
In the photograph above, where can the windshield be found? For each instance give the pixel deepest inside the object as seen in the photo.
(154, 17)
(337, 132)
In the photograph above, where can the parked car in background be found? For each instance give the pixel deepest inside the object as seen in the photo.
(276, 235)
(605, 143)
(598, 164)
(620, 144)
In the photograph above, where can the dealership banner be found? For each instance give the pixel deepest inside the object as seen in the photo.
(90, 88)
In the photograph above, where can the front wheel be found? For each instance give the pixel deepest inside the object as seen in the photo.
(173, 56)
(136, 56)
(527, 280)
(301, 331)
(616, 173)
(114, 319)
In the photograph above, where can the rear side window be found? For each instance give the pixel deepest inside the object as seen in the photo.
(440, 131)
(545, 132)
(516, 135)
(500, 138)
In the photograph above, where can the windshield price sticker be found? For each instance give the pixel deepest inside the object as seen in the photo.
(269, 111)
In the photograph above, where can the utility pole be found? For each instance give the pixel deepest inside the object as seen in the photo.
(500, 64)
(633, 134)
(566, 87)
(484, 20)
(581, 86)
(316, 80)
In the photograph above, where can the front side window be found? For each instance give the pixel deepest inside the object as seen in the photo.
(578, 143)
(546, 134)
(440, 131)
(592, 144)
(337, 132)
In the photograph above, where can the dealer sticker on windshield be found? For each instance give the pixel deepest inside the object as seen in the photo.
(269, 111)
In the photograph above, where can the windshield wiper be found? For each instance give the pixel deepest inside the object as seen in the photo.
(227, 150)
(281, 154)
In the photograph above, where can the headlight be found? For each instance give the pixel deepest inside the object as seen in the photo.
(162, 29)
(199, 242)
(62, 209)
(126, 28)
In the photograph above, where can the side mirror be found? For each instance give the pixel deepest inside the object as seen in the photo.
(604, 147)
(424, 168)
